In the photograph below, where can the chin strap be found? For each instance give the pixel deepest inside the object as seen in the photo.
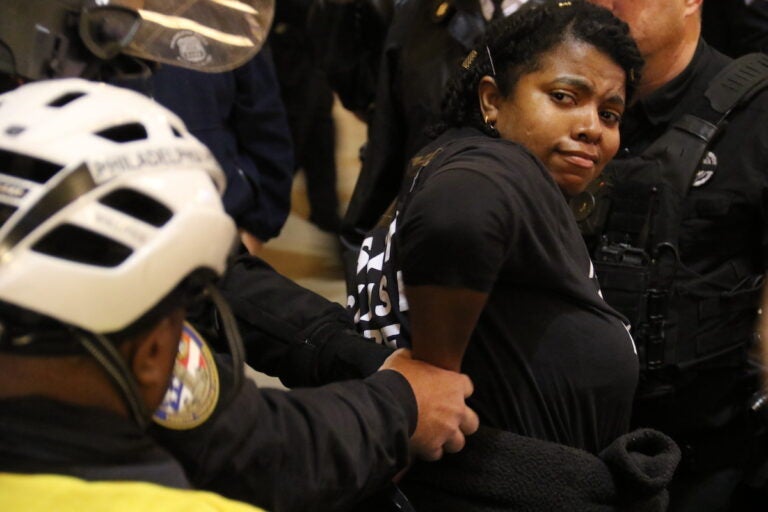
(226, 323)
(104, 351)
(113, 363)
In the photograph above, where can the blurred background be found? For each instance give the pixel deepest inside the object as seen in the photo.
(302, 251)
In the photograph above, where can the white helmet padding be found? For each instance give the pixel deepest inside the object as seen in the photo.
(106, 203)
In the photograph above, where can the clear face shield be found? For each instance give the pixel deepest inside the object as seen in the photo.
(58, 38)
(204, 35)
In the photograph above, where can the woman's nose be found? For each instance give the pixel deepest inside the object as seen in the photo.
(588, 127)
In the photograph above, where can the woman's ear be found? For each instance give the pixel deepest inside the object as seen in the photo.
(490, 99)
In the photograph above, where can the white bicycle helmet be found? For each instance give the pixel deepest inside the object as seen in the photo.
(106, 204)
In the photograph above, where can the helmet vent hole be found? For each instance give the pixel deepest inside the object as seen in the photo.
(5, 213)
(65, 99)
(73, 243)
(26, 168)
(124, 133)
(138, 205)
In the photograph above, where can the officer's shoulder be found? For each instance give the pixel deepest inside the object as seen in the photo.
(752, 115)
(760, 101)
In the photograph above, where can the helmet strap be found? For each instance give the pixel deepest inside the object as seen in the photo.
(226, 323)
(113, 363)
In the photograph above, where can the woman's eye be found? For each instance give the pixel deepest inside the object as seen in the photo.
(563, 97)
(610, 118)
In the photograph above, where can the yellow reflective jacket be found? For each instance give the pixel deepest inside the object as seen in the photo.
(43, 493)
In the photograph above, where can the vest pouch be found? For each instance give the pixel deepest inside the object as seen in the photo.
(640, 222)
(623, 285)
(721, 310)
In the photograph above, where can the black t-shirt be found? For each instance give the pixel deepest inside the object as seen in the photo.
(548, 357)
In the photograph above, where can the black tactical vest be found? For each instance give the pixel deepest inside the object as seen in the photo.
(630, 219)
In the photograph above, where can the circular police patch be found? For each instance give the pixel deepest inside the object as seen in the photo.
(191, 47)
(706, 170)
(194, 389)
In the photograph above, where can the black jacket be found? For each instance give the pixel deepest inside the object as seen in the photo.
(424, 46)
(320, 449)
(292, 333)
(39, 435)
(306, 450)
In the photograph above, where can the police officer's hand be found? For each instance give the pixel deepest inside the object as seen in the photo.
(444, 417)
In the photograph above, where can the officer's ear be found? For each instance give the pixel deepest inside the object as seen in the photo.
(490, 99)
(153, 356)
(693, 7)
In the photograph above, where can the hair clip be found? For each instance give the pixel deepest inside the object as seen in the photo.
(631, 75)
(469, 59)
(493, 68)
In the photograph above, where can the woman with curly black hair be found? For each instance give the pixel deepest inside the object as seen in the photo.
(498, 281)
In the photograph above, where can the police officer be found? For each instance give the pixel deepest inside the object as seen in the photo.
(684, 255)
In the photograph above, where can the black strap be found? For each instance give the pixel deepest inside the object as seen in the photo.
(228, 327)
(738, 83)
(687, 139)
(683, 145)
(119, 372)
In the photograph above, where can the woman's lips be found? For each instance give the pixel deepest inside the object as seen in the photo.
(579, 159)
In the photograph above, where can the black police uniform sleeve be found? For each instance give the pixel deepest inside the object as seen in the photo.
(305, 450)
(421, 52)
(348, 38)
(383, 160)
(292, 333)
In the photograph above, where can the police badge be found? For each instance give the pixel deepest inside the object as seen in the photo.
(194, 390)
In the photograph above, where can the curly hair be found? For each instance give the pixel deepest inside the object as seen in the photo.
(513, 47)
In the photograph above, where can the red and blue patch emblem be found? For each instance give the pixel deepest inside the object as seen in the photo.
(194, 389)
